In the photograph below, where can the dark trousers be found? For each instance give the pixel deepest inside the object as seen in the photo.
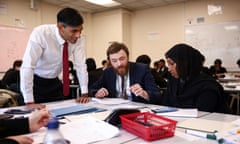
(47, 90)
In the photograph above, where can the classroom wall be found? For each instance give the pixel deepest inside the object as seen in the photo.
(153, 31)
(108, 27)
(19, 14)
(150, 31)
(156, 30)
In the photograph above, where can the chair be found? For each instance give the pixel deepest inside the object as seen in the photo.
(235, 96)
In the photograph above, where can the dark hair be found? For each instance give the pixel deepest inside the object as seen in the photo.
(70, 17)
(218, 61)
(145, 59)
(238, 61)
(156, 63)
(188, 60)
(91, 64)
(104, 61)
(162, 60)
(116, 47)
(203, 58)
(17, 63)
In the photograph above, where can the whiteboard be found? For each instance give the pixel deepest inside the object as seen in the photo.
(13, 44)
(221, 40)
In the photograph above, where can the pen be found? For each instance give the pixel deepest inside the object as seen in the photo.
(202, 134)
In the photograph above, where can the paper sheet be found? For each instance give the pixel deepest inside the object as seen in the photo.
(110, 101)
(181, 113)
(236, 122)
(88, 130)
(205, 125)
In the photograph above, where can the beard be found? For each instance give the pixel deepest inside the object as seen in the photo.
(122, 70)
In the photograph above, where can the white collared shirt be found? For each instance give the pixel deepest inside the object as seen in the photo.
(119, 86)
(43, 56)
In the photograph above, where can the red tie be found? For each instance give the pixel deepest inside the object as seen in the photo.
(65, 70)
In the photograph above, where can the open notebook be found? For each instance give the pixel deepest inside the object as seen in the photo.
(76, 109)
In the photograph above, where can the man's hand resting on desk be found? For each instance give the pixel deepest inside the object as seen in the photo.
(35, 106)
(101, 93)
(83, 98)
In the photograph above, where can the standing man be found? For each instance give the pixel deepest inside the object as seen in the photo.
(125, 79)
(43, 59)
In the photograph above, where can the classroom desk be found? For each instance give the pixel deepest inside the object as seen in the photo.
(233, 88)
(128, 138)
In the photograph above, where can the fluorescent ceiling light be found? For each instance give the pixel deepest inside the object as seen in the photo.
(232, 27)
(106, 3)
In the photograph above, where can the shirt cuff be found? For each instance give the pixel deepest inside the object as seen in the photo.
(84, 89)
(28, 98)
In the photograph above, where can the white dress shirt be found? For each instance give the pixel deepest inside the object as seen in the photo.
(43, 56)
(119, 86)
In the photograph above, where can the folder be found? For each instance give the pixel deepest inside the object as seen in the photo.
(76, 109)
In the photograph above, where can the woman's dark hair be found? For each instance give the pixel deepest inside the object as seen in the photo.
(188, 60)
(91, 64)
(116, 47)
(145, 59)
(69, 17)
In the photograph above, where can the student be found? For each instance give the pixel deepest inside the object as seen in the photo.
(93, 73)
(238, 63)
(159, 80)
(105, 64)
(12, 75)
(10, 129)
(163, 69)
(204, 68)
(187, 86)
(217, 70)
(42, 61)
(125, 79)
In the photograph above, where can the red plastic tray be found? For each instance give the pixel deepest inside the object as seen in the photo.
(149, 126)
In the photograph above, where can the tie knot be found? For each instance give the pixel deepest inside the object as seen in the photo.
(65, 43)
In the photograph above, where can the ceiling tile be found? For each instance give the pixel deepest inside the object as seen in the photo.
(132, 5)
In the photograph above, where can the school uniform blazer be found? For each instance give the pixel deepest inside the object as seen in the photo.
(9, 127)
(138, 73)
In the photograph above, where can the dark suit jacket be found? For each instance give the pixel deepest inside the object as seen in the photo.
(138, 73)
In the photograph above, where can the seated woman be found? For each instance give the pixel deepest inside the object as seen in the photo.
(188, 87)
